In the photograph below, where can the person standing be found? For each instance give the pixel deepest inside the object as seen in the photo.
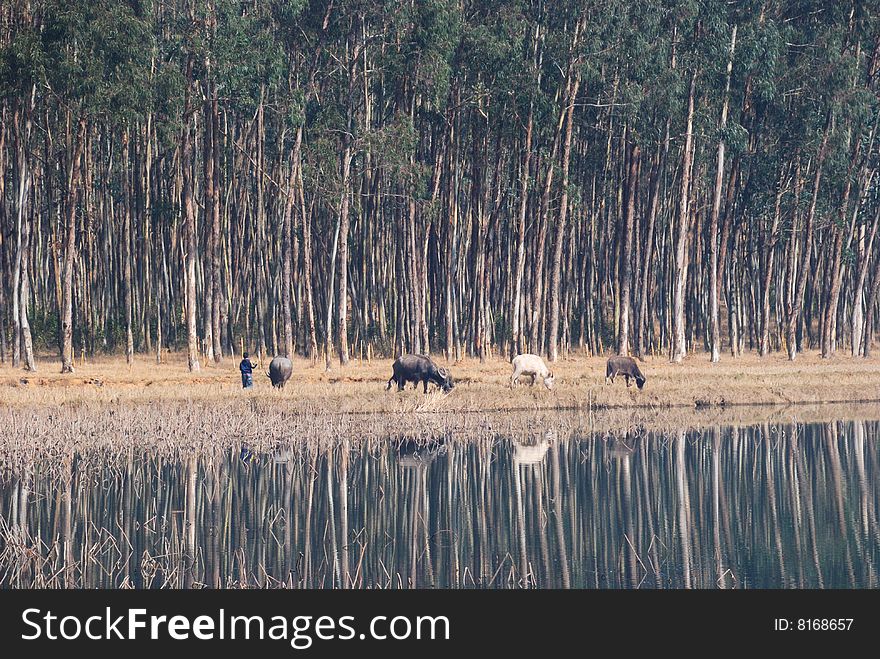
(247, 372)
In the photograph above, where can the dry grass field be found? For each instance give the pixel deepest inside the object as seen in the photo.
(107, 410)
(479, 387)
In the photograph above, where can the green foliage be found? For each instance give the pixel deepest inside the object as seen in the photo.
(96, 56)
(21, 62)
(394, 145)
(296, 111)
(425, 36)
(44, 329)
(168, 96)
(249, 59)
(491, 57)
(287, 15)
(446, 87)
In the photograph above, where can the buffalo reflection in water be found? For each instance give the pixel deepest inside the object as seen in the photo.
(787, 505)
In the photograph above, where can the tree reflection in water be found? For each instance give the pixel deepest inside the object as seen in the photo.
(724, 507)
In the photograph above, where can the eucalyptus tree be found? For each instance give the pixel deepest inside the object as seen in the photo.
(349, 179)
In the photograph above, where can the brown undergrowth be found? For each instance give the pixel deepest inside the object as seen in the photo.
(111, 433)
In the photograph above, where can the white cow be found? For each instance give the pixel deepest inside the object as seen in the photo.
(531, 365)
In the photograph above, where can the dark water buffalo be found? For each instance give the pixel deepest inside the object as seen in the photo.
(419, 368)
(625, 366)
(280, 370)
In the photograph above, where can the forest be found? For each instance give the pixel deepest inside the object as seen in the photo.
(340, 179)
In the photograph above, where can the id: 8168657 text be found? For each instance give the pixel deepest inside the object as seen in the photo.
(813, 624)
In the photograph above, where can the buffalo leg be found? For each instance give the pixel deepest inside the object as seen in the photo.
(425, 381)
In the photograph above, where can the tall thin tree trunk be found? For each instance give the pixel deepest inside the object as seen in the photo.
(540, 245)
(187, 158)
(770, 252)
(858, 315)
(23, 345)
(679, 347)
(714, 323)
(644, 320)
(70, 250)
(556, 279)
(342, 320)
(209, 192)
(307, 259)
(412, 268)
(127, 240)
(516, 306)
(626, 255)
(328, 328)
(802, 275)
(216, 238)
(21, 217)
(286, 249)
(449, 229)
(829, 337)
(873, 294)
(27, 344)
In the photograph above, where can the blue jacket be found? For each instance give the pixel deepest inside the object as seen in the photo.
(246, 367)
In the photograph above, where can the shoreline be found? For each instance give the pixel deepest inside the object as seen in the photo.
(107, 422)
(105, 435)
(359, 388)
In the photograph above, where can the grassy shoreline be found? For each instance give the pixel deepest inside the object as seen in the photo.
(480, 387)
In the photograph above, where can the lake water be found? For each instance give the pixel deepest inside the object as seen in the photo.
(727, 507)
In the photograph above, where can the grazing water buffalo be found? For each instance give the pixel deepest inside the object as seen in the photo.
(531, 365)
(625, 366)
(419, 368)
(280, 370)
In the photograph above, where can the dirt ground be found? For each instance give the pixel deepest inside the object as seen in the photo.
(359, 387)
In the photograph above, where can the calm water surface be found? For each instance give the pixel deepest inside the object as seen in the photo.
(753, 507)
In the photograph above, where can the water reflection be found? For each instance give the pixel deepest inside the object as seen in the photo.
(766, 506)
